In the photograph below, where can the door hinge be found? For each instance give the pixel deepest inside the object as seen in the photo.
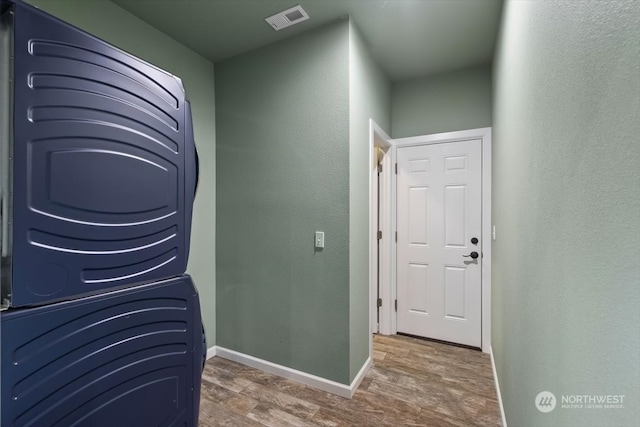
(396, 305)
(396, 169)
(379, 302)
(380, 168)
(379, 234)
(396, 237)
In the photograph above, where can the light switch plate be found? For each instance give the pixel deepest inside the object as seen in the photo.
(319, 239)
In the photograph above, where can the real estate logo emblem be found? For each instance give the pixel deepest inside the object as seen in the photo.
(545, 401)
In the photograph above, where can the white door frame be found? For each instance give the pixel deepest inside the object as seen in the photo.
(379, 138)
(387, 312)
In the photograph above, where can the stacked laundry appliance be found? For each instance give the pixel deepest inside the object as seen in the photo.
(99, 324)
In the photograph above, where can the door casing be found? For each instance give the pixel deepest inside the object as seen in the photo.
(379, 139)
(388, 288)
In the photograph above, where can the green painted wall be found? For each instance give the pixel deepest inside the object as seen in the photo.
(117, 26)
(566, 179)
(445, 102)
(369, 97)
(282, 117)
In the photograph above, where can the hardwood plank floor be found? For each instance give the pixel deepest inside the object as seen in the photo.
(412, 382)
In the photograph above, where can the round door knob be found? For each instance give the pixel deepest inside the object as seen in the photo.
(473, 255)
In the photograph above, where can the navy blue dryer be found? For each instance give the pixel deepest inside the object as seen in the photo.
(130, 357)
(103, 164)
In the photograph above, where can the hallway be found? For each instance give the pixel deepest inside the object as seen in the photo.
(412, 383)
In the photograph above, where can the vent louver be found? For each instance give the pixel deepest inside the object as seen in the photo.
(287, 18)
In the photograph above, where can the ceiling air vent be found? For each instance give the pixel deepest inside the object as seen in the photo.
(287, 18)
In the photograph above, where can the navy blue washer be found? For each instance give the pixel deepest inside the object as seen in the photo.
(104, 165)
(104, 176)
(130, 357)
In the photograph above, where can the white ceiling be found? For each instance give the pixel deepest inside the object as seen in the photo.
(409, 38)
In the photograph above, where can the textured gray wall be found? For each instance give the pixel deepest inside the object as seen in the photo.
(282, 117)
(117, 26)
(566, 180)
(369, 98)
(445, 102)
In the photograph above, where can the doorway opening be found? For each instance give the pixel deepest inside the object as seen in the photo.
(380, 223)
(474, 250)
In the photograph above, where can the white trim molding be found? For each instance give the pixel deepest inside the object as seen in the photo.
(293, 374)
(353, 387)
(378, 139)
(495, 379)
(211, 352)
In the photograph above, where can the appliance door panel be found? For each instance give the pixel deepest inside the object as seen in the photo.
(126, 357)
(100, 189)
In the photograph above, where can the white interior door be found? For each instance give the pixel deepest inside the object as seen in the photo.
(439, 210)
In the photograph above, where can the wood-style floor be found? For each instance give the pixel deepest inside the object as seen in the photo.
(412, 383)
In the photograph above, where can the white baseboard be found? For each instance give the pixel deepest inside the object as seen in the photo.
(495, 379)
(211, 351)
(293, 374)
(360, 376)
